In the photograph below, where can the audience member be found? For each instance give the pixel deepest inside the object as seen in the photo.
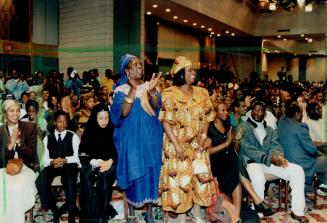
(60, 159)
(137, 136)
(98, 169)
(262, 154)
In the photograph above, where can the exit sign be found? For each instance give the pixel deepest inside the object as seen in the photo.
(8, 47)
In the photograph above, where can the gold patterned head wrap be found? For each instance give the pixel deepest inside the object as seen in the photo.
(180, 63)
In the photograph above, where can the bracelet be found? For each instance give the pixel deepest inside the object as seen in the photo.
(153, 95)
(129, 100)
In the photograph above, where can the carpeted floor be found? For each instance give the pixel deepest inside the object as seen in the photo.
(315, 215)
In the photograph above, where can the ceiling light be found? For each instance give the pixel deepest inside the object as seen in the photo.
(218, 35)
(226, 31)
(148, 13)
(168, 10)
(212, 33)
(175, 17)
(306, 38)
(302, 35)
(279, 36)
(284, 39)
(308, 8)
(301, 3)
(185, 20)
(158, 23)
(155, 6)
(310, 40)
(272, 6)
(233, 34)
(202, 27)
(194, 23)
(309, 54)
(209, 29)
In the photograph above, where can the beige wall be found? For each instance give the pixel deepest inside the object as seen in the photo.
(85, 34)
(294, 68)
(316, 69)
(274, 65)
(244, 64)
(173, 43)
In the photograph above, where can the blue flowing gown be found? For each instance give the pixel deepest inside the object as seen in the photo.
(138, 140)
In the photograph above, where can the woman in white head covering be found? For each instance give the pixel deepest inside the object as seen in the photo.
(17, 140)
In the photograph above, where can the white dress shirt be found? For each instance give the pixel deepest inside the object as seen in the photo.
(259, 131)
(70, 159)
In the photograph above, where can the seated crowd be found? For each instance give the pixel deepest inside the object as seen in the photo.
(167, 139)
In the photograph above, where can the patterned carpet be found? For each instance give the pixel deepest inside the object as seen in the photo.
(315, 215)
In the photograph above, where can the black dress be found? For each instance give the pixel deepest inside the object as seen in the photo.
(96, 186)
(224, 164)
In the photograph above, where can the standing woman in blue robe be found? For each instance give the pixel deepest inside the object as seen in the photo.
(138, 136)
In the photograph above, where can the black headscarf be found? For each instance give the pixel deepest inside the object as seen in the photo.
(97, 142)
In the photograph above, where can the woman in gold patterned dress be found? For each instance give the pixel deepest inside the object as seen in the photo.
(186, 178)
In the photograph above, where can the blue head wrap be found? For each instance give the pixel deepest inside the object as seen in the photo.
(124, 60)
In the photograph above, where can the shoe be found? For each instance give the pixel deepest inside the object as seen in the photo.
(111, 211)
(264, 209)
(71, 219)
(56, 215)
(301, 219)
(56, 218)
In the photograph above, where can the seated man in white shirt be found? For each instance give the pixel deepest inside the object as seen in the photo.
(60, 159)
(262, 154)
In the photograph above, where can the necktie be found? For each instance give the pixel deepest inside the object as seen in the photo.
(59, 138)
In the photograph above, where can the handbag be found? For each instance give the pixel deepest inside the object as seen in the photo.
(221, 208)
(199, 167)
(14, 166)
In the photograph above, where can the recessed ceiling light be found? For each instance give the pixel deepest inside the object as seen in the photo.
(175, 17)
(218, 35)
(209, 29)
(194, 23)
(185, 20)
(233, 34)
(148, 13)
(226, 31)
(284, 39)
(158, 23)
(212, 33)
(202, 27)
(168, 10)
(306, 38)
(308, 8)
(155, 6)
(310, 40)
(302, 35)
(279, 36)
(301, 3)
